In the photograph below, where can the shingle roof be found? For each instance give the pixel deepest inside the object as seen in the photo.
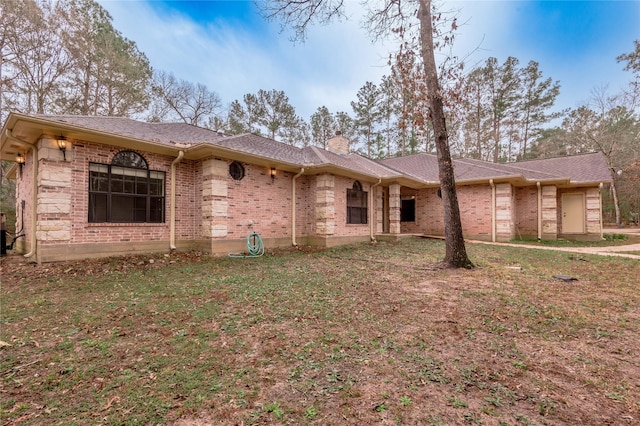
(166, 133)
(418, 167)
(584, 168)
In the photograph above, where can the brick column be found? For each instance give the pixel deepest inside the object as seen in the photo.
(325, 205)
(549, 213)
(214, 198)
(394, 208)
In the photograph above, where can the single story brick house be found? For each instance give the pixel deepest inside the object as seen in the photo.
(100, 186)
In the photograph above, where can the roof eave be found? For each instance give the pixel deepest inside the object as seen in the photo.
(36, 127)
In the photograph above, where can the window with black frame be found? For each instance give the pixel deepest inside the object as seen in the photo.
(126, 191)
(357, 204)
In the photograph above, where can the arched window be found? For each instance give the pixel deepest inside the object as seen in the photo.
(129, 159)
(357, 204)
(126, 191)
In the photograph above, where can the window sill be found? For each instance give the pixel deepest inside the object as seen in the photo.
(123, 224)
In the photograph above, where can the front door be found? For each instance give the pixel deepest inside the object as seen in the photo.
(573, 213)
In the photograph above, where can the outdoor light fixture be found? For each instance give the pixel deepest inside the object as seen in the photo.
(20, 160)
(62, 144)
(273, 174)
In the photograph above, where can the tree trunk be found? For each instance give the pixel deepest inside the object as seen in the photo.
(616, 205)
(456, 253)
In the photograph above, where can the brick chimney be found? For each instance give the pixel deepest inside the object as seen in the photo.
(338, 144)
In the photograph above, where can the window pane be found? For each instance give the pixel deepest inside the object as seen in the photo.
(117, 184)
(98, 181)
(140, 209)
(408, 211)
(97, 207)
(129, 184)
(156, 210)
(142, 186)
(122, 208)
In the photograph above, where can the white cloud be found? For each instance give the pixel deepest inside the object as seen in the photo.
(328, 69)
(233, 58)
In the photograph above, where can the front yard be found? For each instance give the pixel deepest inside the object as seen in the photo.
(364, 334)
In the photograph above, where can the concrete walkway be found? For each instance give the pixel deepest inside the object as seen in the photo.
(602, 251)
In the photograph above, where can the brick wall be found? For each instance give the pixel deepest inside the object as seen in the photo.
(85, 232)
(526, 207)
(475, 211)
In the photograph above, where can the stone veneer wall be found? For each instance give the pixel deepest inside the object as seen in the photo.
(549, 212)
(505, 226)
(325, 205)
(394, 209)
(594, 223)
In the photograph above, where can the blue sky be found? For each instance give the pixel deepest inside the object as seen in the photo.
(230, 48)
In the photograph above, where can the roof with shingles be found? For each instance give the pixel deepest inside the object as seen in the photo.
(585, 168)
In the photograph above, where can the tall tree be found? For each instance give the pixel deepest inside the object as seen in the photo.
(367, 114)
(538, 96)
(381, 21)
(503, 84)
(39, 63)
(268, 113)
(278, 117)
(243, 118)
(346, 125)
(110, 76)
(323, 126)
(476, 115)
(389, 108)
(14, 27)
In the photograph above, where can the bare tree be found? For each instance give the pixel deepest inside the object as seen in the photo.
(391, 16)
(181, 100)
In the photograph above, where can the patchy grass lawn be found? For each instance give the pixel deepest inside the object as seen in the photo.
(607, 241)
(364, 334)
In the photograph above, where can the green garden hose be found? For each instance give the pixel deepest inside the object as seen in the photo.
(255, 247)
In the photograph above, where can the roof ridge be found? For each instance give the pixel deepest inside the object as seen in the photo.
(502, 166)
(319, 153)
(559, 157)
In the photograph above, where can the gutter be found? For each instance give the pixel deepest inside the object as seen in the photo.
(539, 211)
(172, 212)
(34, 207)
(371, 224)
(601, 219)
(293, 208)
(493, 211)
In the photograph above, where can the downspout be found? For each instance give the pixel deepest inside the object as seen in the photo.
(600, 197)
(172, 211)
(293, 208)
(539, 211)
(371, 224)
(493, 211)
(34, 207)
